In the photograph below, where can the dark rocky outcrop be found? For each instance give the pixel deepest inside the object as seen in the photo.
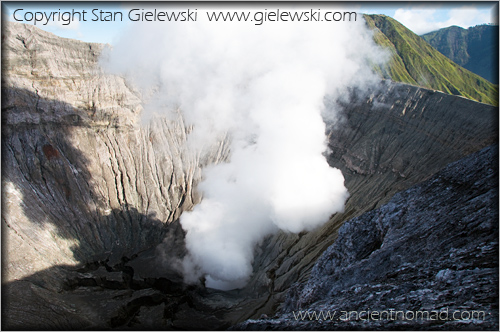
(432, 248)
(91, 199)
(387, 141)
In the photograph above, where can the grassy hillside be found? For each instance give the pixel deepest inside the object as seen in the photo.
(475, 48)
(414, 61)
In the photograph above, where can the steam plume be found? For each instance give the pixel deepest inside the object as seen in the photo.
(264, 86)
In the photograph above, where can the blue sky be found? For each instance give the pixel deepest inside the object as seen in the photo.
(90, 31)
(420, 17)
(423, 17)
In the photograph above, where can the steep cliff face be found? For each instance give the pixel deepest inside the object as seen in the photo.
(84, 186)
(475, 48)
(91, 198)
(82, 181)
(428, 259)
(387, 141)
(414, 61)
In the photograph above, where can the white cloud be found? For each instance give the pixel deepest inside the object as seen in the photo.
(422, 20)
(417, 20)
(265, 86)
(467, 16)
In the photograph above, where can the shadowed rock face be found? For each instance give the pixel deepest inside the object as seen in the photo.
(91, 199)
(386, 141)
(433, 247)
(102, 184)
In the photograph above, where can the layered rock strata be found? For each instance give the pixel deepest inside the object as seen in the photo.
(428, 259)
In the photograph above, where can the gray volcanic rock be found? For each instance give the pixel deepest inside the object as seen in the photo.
(84, 183)
(57, 69)
(85, 187)
(385, 141)
(91, 200)
(433, 247)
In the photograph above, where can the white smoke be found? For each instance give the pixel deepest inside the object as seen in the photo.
(264, 85)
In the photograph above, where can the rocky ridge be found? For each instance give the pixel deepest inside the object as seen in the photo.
(386, 141)
(76, 163)
(433, 248)
(84, 185)
(475, 48)
(414, 61)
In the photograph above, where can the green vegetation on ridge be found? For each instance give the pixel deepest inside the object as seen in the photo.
(475, 48)
(414, 61)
